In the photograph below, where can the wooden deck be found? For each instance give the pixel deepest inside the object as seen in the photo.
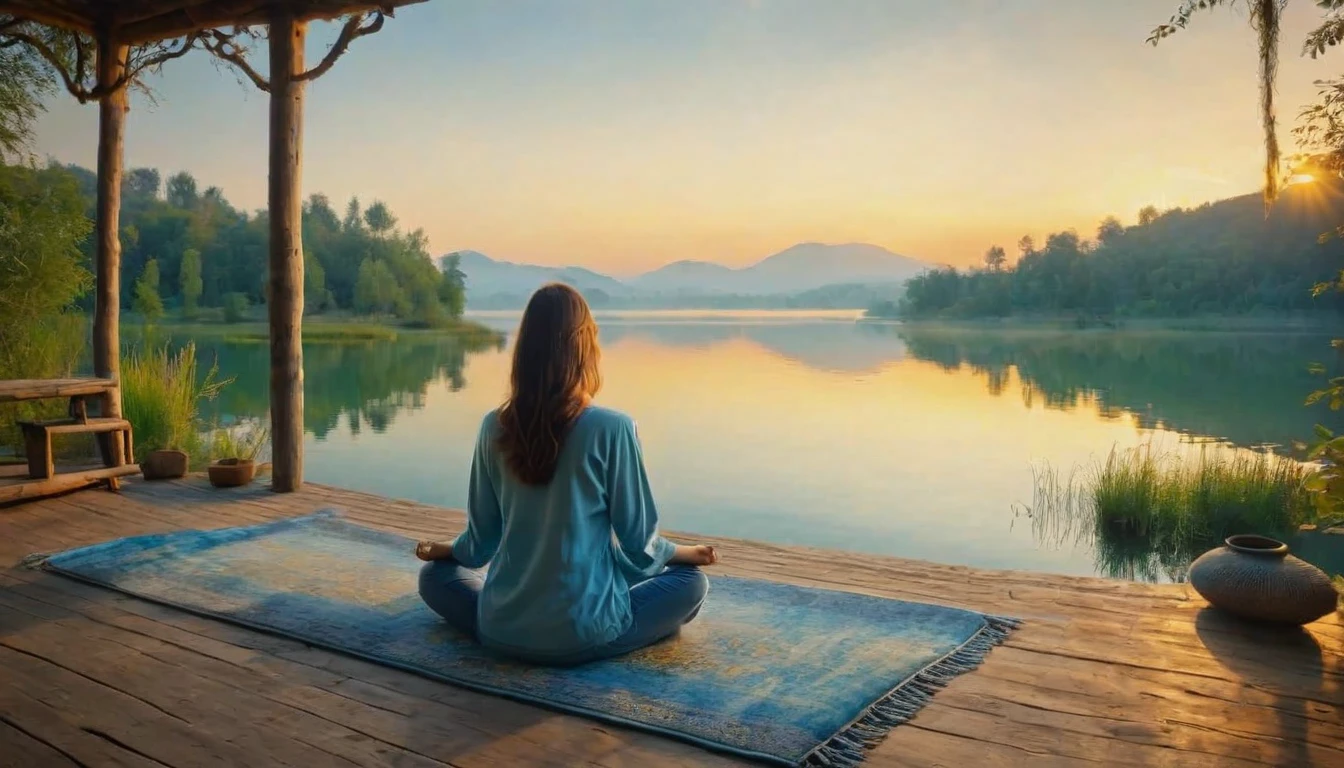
(1103, 672)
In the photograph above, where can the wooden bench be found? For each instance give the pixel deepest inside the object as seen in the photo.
(37, 441)
(113, 433)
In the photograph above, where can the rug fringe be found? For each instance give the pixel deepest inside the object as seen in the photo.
(35, 562)
(849, 747)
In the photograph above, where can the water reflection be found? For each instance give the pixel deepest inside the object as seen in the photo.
(366, 384)
(1246, 389)
(820, 431)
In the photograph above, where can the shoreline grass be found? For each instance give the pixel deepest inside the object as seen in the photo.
(332, 331)
(1148, 514)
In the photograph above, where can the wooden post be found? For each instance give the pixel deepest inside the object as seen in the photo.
(286, 257)
(112, 59)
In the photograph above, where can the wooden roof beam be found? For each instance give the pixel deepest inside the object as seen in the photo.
(51, 16)
(243, 13)
(154, 20)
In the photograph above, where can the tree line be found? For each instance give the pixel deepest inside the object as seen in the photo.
(189, 249)
(1224, 258)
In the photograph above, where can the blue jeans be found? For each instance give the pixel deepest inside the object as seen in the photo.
(659, 605)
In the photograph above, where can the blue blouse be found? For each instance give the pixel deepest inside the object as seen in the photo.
(562, 556)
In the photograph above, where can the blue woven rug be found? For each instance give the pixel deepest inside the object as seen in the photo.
(778, 673)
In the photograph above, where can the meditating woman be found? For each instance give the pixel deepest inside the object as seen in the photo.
(559, 507)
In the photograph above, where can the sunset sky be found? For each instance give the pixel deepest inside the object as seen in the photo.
(624, 134)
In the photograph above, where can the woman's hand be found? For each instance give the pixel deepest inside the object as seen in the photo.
(434, 550)
(699, 554)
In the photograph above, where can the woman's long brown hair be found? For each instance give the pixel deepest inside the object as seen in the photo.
(555, 371)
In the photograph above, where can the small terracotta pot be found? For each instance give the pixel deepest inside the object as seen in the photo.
(1255, 578)
(231, 473)
(164, 465)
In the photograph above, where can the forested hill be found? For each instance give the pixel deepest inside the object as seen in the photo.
(1223, 258)
(203, 252)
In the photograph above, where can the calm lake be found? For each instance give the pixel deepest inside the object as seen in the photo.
(812, 428)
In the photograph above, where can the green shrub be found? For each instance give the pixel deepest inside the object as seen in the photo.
(161, 394)
(49, 348)
(235, 307)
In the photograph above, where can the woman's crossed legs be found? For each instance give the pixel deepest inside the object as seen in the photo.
(659, 605)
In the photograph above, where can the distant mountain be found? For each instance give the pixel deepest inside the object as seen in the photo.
(698, 277)
(504, 281)
(808, 275)
(803, 267)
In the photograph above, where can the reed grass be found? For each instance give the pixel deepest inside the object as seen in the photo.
(161, 395)
(1149, 513)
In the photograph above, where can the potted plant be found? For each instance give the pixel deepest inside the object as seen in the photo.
(235, 451)
(165, 464)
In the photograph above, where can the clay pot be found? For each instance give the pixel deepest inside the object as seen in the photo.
(164, 465)
(1255, 578)
(231, 473)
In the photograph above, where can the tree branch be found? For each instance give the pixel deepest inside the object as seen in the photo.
(353, 29)
(73, 81)
(225, 47)
(1181, 18)
(156, 60)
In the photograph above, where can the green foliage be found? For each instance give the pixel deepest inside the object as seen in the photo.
(995, 258)
(453, 289)
(1219, 259)
(25, 83)
(41, 277)
(377, 291)
(190, 284)
(235, 307)
(147, 300)
(163, 223)
(316, 297)
(240, 441)
(1150, 514)
(162, 391)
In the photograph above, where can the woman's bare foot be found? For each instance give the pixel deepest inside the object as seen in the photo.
(434, 550)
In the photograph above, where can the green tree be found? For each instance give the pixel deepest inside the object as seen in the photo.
(315, 293)
(1109, 230)
(141, 184)
(182, 191)
(25, 83)
(379, 218)
(42, 225)
(1026, 246)
(377, 291)
(147, 300)
(191, 284)
(453, 292)
(995, 258)
(235, 307)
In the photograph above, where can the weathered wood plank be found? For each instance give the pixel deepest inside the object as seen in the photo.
(15, 390)
(24, 749)
(24, 490)
(75, 427)
(1104, 672)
